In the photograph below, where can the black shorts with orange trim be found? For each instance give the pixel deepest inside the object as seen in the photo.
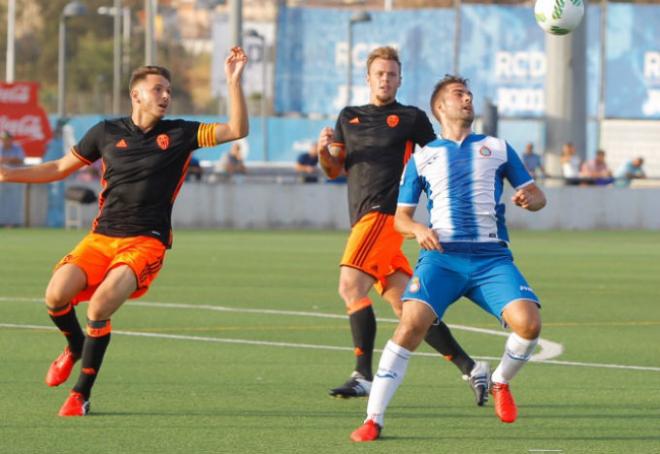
(374, 247)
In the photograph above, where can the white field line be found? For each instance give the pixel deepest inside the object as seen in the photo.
(548, 349)
(312, 346)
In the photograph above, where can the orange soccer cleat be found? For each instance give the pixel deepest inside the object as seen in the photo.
(505, 407)
(60, 369)
(369, 431)
(74, 405)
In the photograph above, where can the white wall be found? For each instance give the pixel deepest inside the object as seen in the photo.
(324, 206)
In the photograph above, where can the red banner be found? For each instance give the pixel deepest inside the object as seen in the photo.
(23, 117)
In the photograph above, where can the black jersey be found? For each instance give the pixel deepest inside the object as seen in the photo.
(142, 173)
(378, 141)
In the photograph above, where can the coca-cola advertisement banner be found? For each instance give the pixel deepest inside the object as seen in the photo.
(23, 117)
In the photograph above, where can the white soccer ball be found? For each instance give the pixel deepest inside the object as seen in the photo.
(559, 17)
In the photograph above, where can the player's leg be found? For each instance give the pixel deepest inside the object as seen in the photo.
(119, 284)
(439, 336)
(416, 318)
(354, 286)
(502, 290)
(67, 281)
(135, 265)
(358, 272)
(524, 319)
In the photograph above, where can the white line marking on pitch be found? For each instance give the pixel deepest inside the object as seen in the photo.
(549, 349)
(312, 346)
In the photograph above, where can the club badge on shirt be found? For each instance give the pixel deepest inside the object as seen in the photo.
(392, 120)
(163, 141)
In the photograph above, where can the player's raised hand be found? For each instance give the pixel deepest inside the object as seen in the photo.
(234, 64)
(325, 138)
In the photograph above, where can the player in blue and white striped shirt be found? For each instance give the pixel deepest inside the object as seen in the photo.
(464, 248)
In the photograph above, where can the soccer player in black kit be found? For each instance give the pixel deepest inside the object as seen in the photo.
(145, 159)
(371, 143)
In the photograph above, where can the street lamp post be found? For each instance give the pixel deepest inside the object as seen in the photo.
(71, 9)
(11, 42)
(116, 12)
(150, 7)
(362, 16)
(264, 118)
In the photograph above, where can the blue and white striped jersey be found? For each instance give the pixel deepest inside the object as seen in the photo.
(463, 183)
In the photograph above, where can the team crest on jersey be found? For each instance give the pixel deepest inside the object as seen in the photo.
(413, 287)
(163, 141)
(485, 152)
(392, 120)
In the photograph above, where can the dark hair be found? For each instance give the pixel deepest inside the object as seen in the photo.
(142, 72)
(386, 53)
(448, 79)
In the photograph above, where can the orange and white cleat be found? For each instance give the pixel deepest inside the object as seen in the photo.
(505, 407)
(369, 431)
(60, 369)
(74, 405)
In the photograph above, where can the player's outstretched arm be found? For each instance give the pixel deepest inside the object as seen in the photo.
(331, 157)
(42, 173)
(237, 126)
(409, 228)
(529, 197)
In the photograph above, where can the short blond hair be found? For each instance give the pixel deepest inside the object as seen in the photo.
(142, 72)
(386, 53)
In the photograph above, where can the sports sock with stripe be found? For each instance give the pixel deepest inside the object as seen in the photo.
(96, 342)
(440, 338)
(391, 370)
(67, 322)
(363, 329)
(517, 352)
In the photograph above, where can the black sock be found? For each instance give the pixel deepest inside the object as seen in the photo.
(97, 340)
(363, 328)
(65, 319)
(440, 338)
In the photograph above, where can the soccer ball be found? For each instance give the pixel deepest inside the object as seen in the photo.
(559, 17)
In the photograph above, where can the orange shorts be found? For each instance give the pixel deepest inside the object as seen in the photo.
(374, 247)
(97, 254)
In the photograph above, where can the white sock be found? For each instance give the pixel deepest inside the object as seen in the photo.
(391, 370)
(517, 352)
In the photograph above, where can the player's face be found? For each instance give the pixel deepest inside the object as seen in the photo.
(384, 79)
(152, 95)
(454, 104)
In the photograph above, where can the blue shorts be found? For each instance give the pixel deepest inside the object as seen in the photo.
(483, 272)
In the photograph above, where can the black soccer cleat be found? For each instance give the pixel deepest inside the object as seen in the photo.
(355, 386)
(479, 380)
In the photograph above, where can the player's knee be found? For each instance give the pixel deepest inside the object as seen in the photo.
(409, 335)
(55, 297)
(533, 329)
(349, 292)
(97, 312)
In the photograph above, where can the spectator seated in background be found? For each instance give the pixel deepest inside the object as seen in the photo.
(194, 170)
(234, 164)
(11, 154)
(570, 164)
(229, 164)
(596, 171)
(532, 162)
(307, 165)
(628, 171)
